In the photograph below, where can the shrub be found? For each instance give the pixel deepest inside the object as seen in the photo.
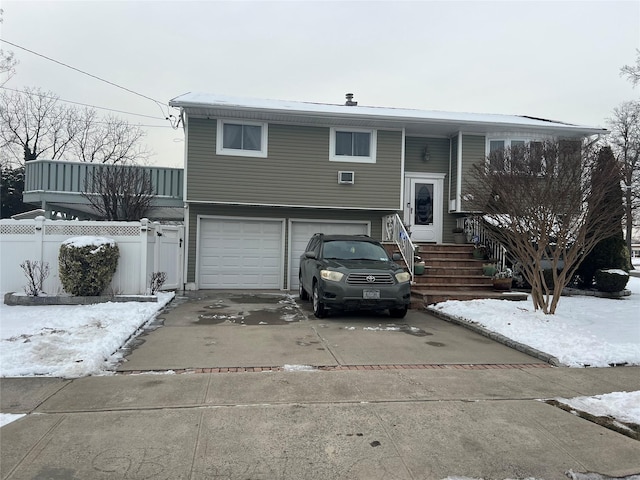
(608, 253)
(156, 281)
(611, 280)
(36, 273)
(87, 264)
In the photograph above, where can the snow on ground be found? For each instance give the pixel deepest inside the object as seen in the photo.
(69, 340)
(6, 418)
(624, 406)
(584, 331)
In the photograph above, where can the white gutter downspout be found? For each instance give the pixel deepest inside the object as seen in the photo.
(185, 243)
(402, 160)
(459, 175)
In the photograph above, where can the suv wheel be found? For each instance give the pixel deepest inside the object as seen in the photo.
(302, 292)
(398, 312)
(319, 309)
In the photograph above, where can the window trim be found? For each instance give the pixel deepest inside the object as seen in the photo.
(373, 141)
(221, 150)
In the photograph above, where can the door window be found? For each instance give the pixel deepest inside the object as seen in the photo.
(423, 202)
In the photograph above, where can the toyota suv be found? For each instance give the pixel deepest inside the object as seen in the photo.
(352, 272)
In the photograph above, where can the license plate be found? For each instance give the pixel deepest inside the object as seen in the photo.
(371, 294)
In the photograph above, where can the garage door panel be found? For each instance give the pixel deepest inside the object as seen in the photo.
(302, 231)
(237, 253)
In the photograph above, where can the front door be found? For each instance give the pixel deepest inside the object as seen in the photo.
(423, 206)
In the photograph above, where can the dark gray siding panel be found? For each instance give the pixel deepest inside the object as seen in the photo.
(473, 153)
(374, 217)
(297, 171)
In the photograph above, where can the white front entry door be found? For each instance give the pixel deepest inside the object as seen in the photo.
(423, 206)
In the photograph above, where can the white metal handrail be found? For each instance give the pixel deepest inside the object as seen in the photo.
(394, 231)
(475, 230)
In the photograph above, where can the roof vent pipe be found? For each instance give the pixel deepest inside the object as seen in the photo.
(350, 102)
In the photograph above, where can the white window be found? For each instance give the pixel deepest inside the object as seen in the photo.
(352, 145)
(499, 162)
(245, 139)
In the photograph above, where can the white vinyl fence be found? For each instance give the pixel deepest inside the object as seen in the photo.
(145, 247)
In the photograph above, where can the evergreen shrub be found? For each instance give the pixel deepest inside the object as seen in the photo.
(611, 280)
(608, 253)
(87, 264)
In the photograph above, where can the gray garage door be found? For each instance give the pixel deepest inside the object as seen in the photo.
(235, 253)
(301, 232)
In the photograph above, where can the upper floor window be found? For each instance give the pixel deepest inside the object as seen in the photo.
(246, 139)
(516, 155)
(352, 145)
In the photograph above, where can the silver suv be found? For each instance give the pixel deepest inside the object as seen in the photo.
(352, 272)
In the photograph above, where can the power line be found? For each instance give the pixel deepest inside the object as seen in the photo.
(81, 104)
(157, 102)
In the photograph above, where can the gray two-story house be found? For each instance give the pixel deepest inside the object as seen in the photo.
(261, 176)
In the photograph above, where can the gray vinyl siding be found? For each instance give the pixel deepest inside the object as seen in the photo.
(440, 150)
(438, 155)
(473, 153)
(374, 217)
(296, 172)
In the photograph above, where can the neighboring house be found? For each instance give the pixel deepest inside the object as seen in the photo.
(261, 176)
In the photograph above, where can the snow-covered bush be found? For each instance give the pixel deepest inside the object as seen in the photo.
(611, 280)
(87, 264)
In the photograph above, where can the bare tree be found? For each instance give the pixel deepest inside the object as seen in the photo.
(543, 202)
(119, 192)
(34, 124)
(632, 72)
(625, 143)
(7, 61)
(107, 140)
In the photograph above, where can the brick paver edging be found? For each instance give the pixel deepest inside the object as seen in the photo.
(337, 368)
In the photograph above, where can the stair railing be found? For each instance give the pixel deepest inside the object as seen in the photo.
(394, 231)
(475, 230)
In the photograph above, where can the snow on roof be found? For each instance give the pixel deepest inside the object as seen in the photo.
(195, 100)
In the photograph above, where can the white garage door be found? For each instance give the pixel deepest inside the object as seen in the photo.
(301, 232)
(240, 253)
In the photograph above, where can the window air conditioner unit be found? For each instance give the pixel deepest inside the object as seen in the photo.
(346, 177)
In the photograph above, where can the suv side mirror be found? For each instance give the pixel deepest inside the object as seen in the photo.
(396, 257)
(310, 254)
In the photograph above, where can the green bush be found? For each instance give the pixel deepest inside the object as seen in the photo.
(87, 265)
(611, 280)
(608, 253)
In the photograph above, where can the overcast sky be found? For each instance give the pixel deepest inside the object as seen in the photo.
(557, 60)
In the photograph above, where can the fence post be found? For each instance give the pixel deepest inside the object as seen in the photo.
(144, 228)
(157, 245)
(39, 238)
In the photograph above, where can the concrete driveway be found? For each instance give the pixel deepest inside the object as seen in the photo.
(214, 329)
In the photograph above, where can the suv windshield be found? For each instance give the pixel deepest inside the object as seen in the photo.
(353, 250)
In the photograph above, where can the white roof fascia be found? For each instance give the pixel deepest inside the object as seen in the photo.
(387, 116)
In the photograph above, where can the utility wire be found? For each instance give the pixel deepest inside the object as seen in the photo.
(81, 104)
(157, 102)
